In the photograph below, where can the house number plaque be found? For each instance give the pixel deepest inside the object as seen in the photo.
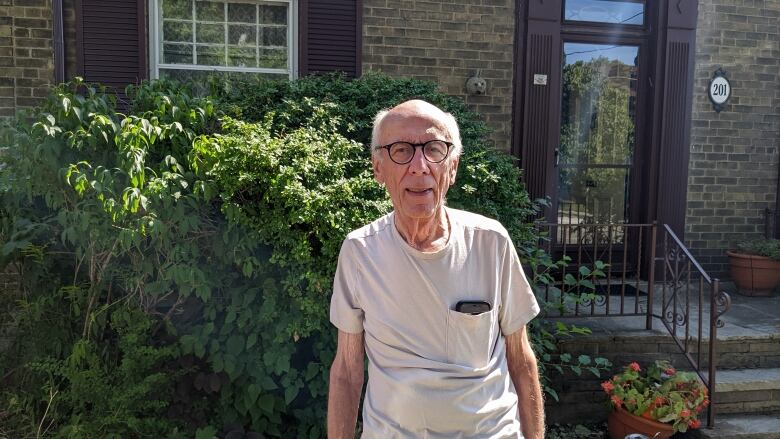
(720, 90)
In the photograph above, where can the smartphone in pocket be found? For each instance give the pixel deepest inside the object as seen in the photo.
(472, 307)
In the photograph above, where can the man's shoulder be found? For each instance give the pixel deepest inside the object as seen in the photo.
(371, 230)
(477, 222)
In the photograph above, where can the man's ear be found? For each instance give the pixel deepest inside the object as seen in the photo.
(454, 169)
(378, 176)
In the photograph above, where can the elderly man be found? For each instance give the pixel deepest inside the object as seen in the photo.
(436, 298)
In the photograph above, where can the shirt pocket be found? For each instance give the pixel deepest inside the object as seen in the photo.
(471, 338)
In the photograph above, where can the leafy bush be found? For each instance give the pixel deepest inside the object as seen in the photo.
(767, 247)
(180, 247)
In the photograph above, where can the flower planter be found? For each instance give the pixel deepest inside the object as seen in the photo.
(754, 275)
(622, 423)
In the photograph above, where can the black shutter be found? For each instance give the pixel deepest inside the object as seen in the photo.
(679, 54)
(330, 36)
(111, 42)
(542, 102)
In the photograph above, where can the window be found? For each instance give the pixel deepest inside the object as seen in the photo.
(605, 11)
(191, 38)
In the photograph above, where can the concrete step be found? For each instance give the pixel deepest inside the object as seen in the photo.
(739, 352)
(747, 391)
(745, 426)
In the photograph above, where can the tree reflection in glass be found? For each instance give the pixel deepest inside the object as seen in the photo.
(597, 133)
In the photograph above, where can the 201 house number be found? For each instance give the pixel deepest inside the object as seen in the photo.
(720, 90)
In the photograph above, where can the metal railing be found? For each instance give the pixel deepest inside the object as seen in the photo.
(771, 224)
(639, 268)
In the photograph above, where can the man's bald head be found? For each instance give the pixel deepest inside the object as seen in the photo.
(442, 122)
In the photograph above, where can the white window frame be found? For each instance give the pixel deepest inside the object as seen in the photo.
(155, 43)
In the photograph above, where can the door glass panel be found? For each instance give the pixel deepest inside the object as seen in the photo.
(597, 133)
(605, 11)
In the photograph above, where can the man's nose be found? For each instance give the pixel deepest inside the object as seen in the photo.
(419, 165)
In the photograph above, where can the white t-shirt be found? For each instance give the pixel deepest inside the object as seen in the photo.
(434, 372)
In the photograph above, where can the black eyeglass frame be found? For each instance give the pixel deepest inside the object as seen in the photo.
(415, 146)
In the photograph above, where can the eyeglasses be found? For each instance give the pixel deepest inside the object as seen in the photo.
(435, 151)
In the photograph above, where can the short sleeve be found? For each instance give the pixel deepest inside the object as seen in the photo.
(518, 303)
(345, 311)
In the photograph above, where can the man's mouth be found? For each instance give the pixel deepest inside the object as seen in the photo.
(419, 191)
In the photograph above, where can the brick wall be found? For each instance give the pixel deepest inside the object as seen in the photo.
(734, 154)
(26, 54)
(447, 42)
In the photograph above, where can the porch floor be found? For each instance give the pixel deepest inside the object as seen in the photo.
(747, 317)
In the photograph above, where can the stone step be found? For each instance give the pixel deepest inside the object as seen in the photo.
(740, 352)
(747, 391)
(744, 426)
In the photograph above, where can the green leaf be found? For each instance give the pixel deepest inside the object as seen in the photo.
(251, 340)
(565, 357)
(290, 393)
(550, 391)
(268, 383)
(253, 392)
(206, 433)
(266, 403)
(584, 360)
(584, 271)
(229, 365)
(198, 349)
(235, 344)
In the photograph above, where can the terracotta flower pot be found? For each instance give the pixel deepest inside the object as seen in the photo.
(754, 275)
(622, 423)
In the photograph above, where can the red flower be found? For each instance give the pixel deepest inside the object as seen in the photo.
(694, 423)
(617, 401)
(607, 386)
(670, 371)
(685, 413)
(635, 366)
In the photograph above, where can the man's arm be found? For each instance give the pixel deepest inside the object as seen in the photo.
(346, 383)
(525, 376)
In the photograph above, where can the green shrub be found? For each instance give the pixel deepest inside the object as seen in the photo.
(767, 247)
(222, 232)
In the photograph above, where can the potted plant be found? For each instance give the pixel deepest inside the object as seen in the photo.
(755, 266)
(656, 403)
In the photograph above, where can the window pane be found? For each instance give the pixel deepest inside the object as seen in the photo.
(177, 9)
(209, 11)
(177, 31)
(202, 76)
(273, 58)
(274, 36)
(242, 35)
(242, 13)
(177, 54)
(598, 110)
(210, 33)
(273, 14)
(605, 11)
(211, 55)
(242, 57)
